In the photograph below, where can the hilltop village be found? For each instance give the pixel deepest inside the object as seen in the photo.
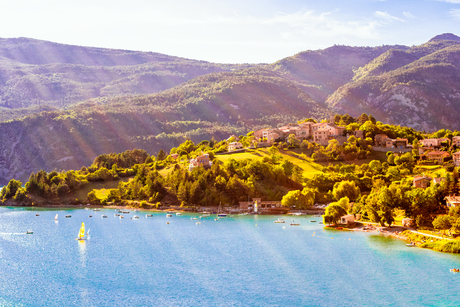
(352, 169)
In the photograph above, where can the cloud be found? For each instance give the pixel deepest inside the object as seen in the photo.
(408, 15)
(455, 13)
(387, 17)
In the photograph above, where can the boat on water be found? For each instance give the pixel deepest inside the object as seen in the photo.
(135, 217)
(29, 232)
(312, 221)
(168, 215)
(178, 213)
(221, 215)
(411, 244)
(294, 223)
(56, 217)
(37, 214)
(137, 210)
(198, 223)
(68, 216)
(279, 221)
(297, 213)
(243, 213)
(455, 270)
(125, 212)
(81, 233)
(96, 209)
(149, 215)
(104, 216)
(122, 217)
(193, 218)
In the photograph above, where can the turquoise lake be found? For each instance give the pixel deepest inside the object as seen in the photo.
(236, 261)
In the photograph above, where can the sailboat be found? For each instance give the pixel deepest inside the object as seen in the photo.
(56, 217)
(81, 234)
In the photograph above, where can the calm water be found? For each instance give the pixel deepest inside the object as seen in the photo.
(238, 261)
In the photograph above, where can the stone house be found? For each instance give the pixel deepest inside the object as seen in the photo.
(433, 142)
(396, 143)
(437, 156)
(202, 160)
(347, 219)
(456, 158)
(235, 146)
(421, 182)
(380, 139)
(456, 141)
(452, 201)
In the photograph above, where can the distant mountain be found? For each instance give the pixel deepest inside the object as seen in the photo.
(152, 101)
(36, 73)
(418, 87)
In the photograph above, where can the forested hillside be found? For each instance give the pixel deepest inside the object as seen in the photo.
(100, 100)
(36, 73)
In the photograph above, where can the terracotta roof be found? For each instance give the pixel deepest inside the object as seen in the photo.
(417, 178)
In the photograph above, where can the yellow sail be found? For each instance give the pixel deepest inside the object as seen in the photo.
(81, 234)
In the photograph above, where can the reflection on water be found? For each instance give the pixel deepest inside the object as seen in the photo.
(227, 262)
(82, 251)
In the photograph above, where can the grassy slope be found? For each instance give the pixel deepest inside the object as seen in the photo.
(309, 167)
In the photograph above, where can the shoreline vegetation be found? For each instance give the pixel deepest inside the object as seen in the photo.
(288, 174)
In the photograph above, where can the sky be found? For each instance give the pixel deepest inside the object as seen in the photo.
(229, 31)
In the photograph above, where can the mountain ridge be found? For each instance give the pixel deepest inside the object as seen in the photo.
(159, 105)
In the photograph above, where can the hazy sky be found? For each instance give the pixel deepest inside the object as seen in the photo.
(229, 31)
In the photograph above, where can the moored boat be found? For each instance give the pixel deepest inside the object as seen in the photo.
(68, 216)
(29, 232)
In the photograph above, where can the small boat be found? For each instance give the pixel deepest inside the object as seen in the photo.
(455, 270)
(119, 211)
(125, 212)
(96, 209)
(297, 213)
(320, 222)
(222, 215)
(243, 214)
(81, 233)
(116, 214)
(279, 221)
(412, 244)
(56, 217)
(167, 222)
(68, 216)
(149, 215)
(178, 213)
(193, 218)
(29, 232)
(135, 217)
(90, 216)
(198, 223)
(37, 214)
(168, 215)
(104, 216)
(122, 217)
(294, 223)
(137, 210)
(312, 221)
